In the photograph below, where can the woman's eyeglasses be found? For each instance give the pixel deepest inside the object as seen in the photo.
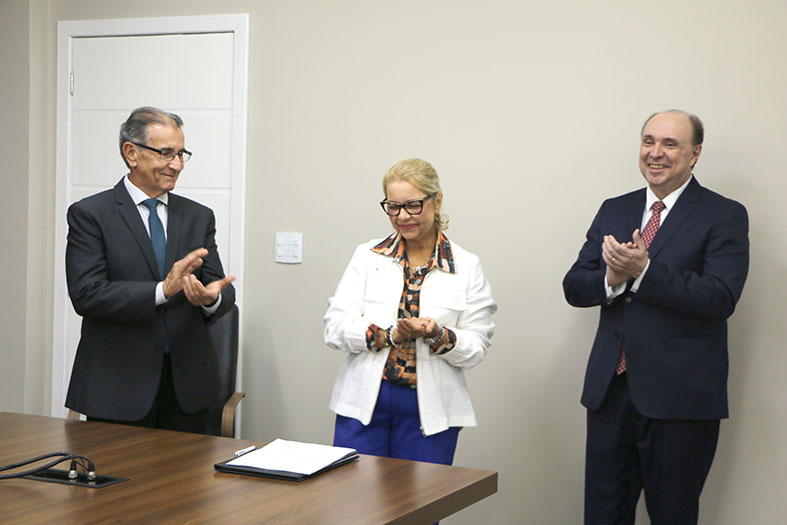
(413, 207)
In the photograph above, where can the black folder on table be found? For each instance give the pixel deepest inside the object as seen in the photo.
(279, 474)
(253, 468)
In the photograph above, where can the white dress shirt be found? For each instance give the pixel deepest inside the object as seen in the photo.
(137, 195)
(650, 197)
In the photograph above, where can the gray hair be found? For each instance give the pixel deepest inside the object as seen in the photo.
(135, 128)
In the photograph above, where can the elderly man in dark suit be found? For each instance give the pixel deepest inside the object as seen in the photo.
(144, 273)
(656, 380)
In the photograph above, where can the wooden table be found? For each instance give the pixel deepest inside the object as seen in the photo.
(171, 479)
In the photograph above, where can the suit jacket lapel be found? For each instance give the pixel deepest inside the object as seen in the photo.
(633, 219)
(174, 225)
(684, 206)
(130, 214)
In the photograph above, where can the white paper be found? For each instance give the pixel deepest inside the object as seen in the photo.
(292, 456)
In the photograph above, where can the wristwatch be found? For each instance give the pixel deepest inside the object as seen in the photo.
(432, 340)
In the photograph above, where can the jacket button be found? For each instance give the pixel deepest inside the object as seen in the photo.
(628, 299)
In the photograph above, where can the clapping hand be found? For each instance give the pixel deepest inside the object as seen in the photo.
(181, 277)
(624, 260)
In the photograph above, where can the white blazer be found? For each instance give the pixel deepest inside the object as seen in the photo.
(369, 292)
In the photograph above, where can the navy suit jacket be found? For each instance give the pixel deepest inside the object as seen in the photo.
(112, 274)
(674, 327)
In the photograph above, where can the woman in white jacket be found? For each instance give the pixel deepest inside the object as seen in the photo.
(412, 311)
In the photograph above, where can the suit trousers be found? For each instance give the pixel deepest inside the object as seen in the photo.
(166, 412)
(628, 452)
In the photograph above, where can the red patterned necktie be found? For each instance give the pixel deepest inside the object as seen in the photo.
(647, 236)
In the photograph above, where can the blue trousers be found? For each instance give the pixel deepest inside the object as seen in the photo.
(395, 430)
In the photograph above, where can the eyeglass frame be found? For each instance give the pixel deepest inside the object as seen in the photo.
(403, 206)
(161, 154)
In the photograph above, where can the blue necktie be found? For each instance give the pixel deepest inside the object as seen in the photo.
(156, 234)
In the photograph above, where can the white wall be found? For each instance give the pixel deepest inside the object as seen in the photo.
(530, 111)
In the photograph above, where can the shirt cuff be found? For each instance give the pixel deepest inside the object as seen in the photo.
(613, 291)
(210, 310)
(638, 280)
(450, 343)
(160, 299)
(371, 337)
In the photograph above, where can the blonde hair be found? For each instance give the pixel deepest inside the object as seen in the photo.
(421, 175)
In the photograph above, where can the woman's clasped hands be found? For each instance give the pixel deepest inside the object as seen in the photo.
(413, 328)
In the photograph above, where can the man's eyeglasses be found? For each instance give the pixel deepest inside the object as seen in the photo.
(413, 207)
(167, 154)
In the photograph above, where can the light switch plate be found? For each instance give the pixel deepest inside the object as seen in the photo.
(289, 248)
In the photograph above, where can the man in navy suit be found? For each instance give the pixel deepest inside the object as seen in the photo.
(144, 273)
(656, 381)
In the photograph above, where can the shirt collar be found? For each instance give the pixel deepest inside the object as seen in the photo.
(442, 256)
(669, 201)
(137, 195)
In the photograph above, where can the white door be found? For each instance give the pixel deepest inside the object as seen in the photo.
(192, 66)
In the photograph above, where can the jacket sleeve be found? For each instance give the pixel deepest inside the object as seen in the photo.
(583, 285)
(345, 326)
(474, 328)
(713, 291)
(92, 292)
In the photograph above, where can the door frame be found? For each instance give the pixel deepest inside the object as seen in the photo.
(67, 31)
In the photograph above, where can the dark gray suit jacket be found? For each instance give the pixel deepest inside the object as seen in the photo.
(112, 275)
